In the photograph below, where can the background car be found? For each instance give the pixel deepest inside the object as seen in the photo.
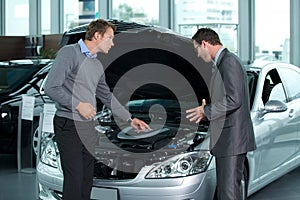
(17, 78)
(156, 66)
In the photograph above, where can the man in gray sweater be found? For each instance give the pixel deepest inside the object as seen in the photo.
(74, 81)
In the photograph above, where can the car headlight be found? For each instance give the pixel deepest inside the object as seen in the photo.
(3, 115)
(50, 154)
(182, 165)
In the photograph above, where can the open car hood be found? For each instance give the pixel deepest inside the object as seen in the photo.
(150, 62)
(155, 63)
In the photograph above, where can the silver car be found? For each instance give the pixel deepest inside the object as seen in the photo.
(173, 160)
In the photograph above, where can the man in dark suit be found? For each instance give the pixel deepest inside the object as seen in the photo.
(231, 131)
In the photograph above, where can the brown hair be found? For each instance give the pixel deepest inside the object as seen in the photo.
(208, 35)
(99, 26)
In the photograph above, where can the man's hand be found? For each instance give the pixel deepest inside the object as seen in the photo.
(196, 114)
(139, 125)
(86, 110)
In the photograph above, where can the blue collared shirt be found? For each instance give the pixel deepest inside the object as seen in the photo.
(217, 55)
(85, 50)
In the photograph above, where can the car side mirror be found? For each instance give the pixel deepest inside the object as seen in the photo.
(275, 106)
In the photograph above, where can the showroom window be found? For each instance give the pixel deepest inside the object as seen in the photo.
(78, 12)
(140, 11)
(17, 20)
(272, 30)
(46, 17)
(220, 15)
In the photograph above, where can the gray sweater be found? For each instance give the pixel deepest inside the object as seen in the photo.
(75, 78)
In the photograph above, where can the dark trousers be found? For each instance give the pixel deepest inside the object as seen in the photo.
(76, 161)
(229, 175)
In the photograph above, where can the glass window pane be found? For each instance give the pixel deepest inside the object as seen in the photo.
(292, 79)
(17, 19)
(277, 93)
(272, 27)
(78, 12)
(46, 17)
(220, 15)
(140, 11)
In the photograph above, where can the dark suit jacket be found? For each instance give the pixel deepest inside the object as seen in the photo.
(231, 129)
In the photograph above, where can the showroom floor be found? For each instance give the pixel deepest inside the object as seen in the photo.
(22, 186)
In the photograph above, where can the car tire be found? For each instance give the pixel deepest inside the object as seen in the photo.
(35, 137)
(46, 136)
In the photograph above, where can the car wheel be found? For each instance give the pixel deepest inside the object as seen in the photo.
(35, 138)
(244, 186)
(45, 137)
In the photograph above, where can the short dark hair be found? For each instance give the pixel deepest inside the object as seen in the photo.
(99, 25)
(208, 35)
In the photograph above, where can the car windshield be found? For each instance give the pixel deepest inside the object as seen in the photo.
(13, 77)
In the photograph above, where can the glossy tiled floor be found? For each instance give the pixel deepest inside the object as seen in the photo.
(14, 185)
(22, 186)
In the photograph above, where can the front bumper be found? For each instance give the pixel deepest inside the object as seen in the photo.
(196, 187)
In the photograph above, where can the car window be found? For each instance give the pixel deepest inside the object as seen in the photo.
(277, 93)
(273, 88)
(12, 78)
(252, 80)
(292, 79)
(266, 90)
(35, 88)
(42, 86)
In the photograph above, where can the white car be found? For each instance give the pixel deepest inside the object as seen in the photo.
(173, 160)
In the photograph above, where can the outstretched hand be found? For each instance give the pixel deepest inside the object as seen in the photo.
(196, 114)
(139, 125)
